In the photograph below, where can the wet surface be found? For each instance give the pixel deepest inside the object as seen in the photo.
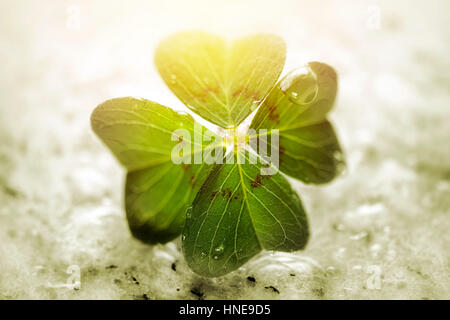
(378, 231)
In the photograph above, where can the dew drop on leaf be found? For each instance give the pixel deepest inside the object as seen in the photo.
(341, 168)
(185, 234)
(182, 113)
(255, 104)
(219, 249)
(301, 85)
(189, 213)
(338, 156)
(340, 162)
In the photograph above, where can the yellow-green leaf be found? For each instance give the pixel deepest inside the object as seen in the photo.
(220, 80)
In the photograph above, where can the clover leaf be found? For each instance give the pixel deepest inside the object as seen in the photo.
(221, 81)
(297, 107)
(228, 196)
(237, 213)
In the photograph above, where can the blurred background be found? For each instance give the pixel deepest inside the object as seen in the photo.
(381, 230)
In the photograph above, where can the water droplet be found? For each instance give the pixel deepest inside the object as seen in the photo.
(338, 156)
(173, 78)
(301, 85)
(182, 113)
(273, 264)
(189, 213)
(255, 104)
(203, 255)
(185, 234)
(219, 249)
(341, 166)
(341, 169)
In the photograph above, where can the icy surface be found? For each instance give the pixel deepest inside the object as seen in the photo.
(379, 231)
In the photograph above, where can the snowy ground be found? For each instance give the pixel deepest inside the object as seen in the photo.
(379, 231)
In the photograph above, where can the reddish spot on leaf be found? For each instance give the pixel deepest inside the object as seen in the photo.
(255, 95)
(213, 195)
(192, 181)
(273, 115)
(257, 182)
(246, 93)
(237, 92)
(281, 150)
(213, 90)
(227, 193)
(205, 93)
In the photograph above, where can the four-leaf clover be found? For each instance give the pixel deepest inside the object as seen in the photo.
(226, 212)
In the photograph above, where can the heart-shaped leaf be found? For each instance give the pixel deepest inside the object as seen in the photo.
(221, 81)
(142, 135)
(237, 213)
(297, 106)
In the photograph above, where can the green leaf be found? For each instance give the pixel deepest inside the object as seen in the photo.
(157, 198)
(140, 133)
(237, 213)
(297, 106)
(221, 81)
